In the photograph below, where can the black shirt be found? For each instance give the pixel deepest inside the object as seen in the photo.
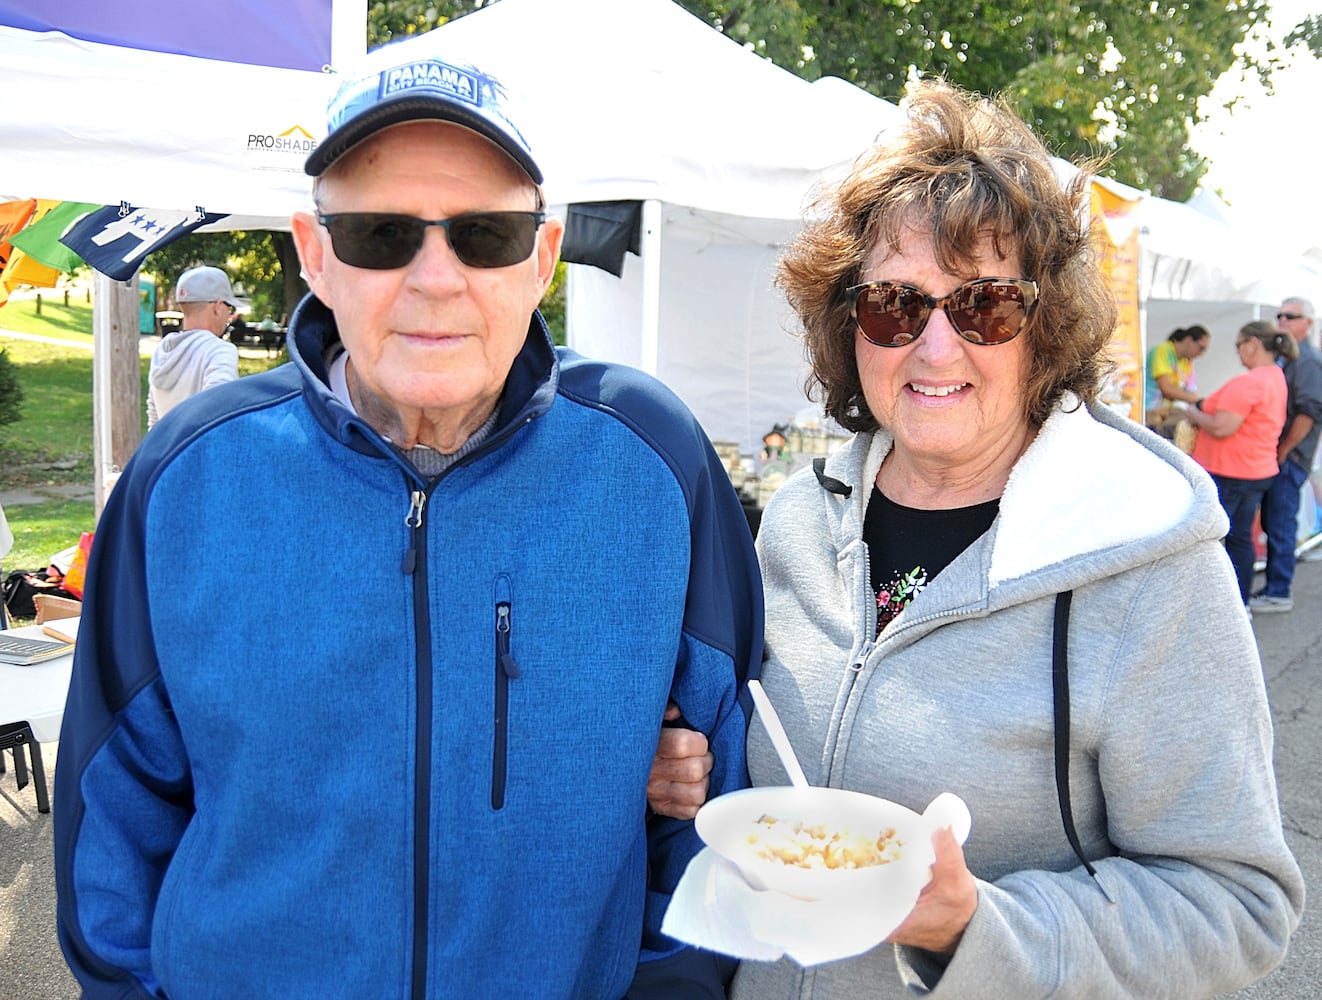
(908, 547)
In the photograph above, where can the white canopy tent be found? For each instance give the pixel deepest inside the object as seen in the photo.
(721, 146)
(110, 123)
(639, 104)
(634, 101)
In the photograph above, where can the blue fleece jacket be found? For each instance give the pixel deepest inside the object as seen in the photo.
(336, 731)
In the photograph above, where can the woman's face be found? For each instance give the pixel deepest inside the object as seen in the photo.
(956, 409)
(1250, 350)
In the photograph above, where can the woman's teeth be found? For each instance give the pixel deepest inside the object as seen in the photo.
(936, 390)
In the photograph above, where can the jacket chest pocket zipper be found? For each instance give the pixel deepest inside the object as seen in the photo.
(506, 671)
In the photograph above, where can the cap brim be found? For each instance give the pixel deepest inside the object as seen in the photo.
(407, 109)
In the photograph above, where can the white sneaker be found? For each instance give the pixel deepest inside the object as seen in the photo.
(1267, 604)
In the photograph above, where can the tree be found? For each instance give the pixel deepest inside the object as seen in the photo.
(11, 393)
(1308, 32)
(1096, 78)
(392, 20)
(263, 263)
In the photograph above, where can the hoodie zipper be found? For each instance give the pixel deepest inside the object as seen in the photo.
(506, 670)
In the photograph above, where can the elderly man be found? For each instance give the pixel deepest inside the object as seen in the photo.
(389, 732)
(194, 357)
(1303, 425)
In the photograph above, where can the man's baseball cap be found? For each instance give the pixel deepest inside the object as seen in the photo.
(205, 284)
(434, 88)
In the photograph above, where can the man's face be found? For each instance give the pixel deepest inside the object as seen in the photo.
(433, 339)
(1290, 318)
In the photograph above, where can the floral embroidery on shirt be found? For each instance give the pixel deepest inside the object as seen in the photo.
(894, 597)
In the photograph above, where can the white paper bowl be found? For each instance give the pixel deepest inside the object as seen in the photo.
(729, 825)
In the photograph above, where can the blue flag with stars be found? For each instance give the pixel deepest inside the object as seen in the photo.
(115, 239)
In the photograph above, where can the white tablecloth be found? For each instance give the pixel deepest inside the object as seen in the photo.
(35, 694)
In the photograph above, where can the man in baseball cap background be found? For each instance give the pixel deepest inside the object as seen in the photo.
(194, 357)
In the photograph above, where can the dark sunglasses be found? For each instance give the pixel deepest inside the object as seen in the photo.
(1285, 315)
(382, 241)
(983, 311)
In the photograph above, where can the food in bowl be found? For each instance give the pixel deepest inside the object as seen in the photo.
(728, 824)
(818, 845)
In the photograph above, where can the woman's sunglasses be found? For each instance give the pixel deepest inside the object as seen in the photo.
(382, 241)
(984, 311)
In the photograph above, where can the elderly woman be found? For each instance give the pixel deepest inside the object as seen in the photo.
(975, 596)
(1238, 428)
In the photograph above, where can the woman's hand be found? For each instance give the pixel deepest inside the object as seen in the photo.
(946, 905)
(677, 786)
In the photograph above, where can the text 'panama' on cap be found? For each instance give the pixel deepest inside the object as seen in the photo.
(416, 91)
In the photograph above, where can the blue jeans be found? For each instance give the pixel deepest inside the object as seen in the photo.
(1240, 498)
(1280, 520)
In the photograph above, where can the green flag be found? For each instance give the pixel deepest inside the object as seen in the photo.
(40, 240)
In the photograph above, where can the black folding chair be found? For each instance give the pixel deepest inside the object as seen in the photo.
(14, 736)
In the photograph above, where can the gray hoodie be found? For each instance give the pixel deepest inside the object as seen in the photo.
(186, 362)
(1170, 747)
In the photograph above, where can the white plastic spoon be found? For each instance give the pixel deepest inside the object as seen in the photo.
(777, 733)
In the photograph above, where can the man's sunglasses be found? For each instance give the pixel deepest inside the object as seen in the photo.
(1285, 315)
(382, 241)
(984, 311)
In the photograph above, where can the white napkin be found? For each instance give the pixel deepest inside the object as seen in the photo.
(715, 908)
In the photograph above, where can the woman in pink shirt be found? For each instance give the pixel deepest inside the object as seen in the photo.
(1238, 427)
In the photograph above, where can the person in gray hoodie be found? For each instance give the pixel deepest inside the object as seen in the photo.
(1001, 588)
(197, 356)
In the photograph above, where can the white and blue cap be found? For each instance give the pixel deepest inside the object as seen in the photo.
(433, 88)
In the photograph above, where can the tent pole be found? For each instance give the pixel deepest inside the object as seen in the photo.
(116, 373)
(651, 304)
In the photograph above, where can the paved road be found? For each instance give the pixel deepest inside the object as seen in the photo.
(1291, 646)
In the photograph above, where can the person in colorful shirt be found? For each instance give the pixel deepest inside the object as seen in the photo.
(1169, 376)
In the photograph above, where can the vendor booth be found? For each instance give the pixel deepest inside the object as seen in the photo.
(714, 151)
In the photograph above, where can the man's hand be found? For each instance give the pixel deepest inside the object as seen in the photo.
(678, 784)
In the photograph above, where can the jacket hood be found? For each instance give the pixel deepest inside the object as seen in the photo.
(175, 357)
(1094, 489)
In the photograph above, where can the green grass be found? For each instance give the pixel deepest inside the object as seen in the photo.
(70, 322)
(51, 445)
(43, 529)
(55, 424)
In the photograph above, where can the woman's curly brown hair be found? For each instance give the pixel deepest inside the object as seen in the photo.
(969, 170)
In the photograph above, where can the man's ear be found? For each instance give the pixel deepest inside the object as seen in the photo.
(308, 240)
(550, 236)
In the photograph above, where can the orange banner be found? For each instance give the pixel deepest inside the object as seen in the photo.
(1117, 234)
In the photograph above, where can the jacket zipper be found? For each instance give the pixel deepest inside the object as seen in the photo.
(506, 670)
(422, 745)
